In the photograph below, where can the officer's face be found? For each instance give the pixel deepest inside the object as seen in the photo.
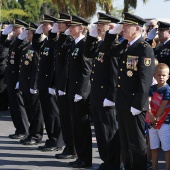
(47, 26)
(29, 35)
(162, 75)
(129, 31)
(17, 31)
(62, 26)
(163, 34)
(76, 30)
(102, 28)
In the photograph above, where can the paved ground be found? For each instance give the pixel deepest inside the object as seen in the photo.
(14, 156)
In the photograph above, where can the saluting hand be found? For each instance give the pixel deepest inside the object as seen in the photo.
(67, 31)
(23, 35)
(51, 91)
(152, 34)
(8, 29)
(39, 30)
(55, 28)
(77, 98)
(32, 91)
(117, 29)
(107, 103)
(93, 30)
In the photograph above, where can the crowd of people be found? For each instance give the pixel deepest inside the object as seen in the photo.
(60, 72)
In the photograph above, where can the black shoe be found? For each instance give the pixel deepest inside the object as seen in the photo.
(47, 144)
(31, 142)
(17, 136)
(102, 167)
(65, 156)
(80, 164)
(49, 148)
(24, 139)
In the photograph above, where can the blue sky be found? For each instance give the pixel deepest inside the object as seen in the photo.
(151, 9)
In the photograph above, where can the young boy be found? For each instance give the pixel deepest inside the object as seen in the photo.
(163, 134)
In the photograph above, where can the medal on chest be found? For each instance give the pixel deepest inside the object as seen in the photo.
(75, 52)
(29, 54)
(132, 62)
(100, 57)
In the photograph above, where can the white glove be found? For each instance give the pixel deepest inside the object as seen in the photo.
(17, 85)
(93, 30)
(32, 91)
(117, 29)
(55, 28)
(23, 35)
(152, 34)
(67, 31)
(135, 111)
(51, 91)
(61, 93)
(39, 30)
(107, 103)
(77, 98)
(8, 29)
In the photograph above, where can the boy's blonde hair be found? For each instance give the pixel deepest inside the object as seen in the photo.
(161, 66)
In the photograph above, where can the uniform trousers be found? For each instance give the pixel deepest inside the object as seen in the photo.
(35, 117)
(50, 111)
(132, 138)
(81, 129)
(107, 135)
(17, 110)
(66, 125)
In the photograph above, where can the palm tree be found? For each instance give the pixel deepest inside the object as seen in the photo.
(130, 3)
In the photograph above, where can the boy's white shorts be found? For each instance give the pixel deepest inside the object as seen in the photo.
(162, 135)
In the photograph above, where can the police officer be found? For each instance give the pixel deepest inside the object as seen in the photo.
(134, 80)
(76, 84)
(60, 49)
(47, 94)
(28, 87)
(102, 96)
(16, 104)
(162, 50)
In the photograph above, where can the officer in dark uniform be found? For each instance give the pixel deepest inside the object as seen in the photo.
(16, 104)
(28, 87)
(102, 96)
(60, 49)
(134, 79)
(162, 50)
(47, 94)
(76, 84)
(3, 59)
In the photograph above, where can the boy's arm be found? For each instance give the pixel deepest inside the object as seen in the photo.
(162, 108)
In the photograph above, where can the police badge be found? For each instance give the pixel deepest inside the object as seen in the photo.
(147, 61)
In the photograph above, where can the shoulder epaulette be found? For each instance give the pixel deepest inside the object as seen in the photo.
(144, 44)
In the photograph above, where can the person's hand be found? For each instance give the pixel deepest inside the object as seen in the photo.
(61, 93)
(23, 35)
(107, 103)
(153, 120)
(67, 31)
(93, 30)
(77, 98)
(152, 34)
(117, 29)
(32, 91)
(55, 28)
(135, 111)
(17, 85)
(7, 30)
(51, 91)
(39, 30)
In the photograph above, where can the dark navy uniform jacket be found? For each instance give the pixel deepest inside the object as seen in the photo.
(28, 69)
(77, 71)
(135, 75)
(104, 72)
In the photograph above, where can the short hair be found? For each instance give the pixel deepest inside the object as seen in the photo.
(161, 66)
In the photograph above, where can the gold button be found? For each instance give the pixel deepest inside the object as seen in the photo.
(121, 69)
(76, 82)
(119, 77)
(133, 94)
(91, 79)
(12, 71)
(123, 61)
(21, 60)
(118, 85)
(46, 75)
(28, 78)
(101, 87)
(93, 72)
(74, 57)
(94, 65)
